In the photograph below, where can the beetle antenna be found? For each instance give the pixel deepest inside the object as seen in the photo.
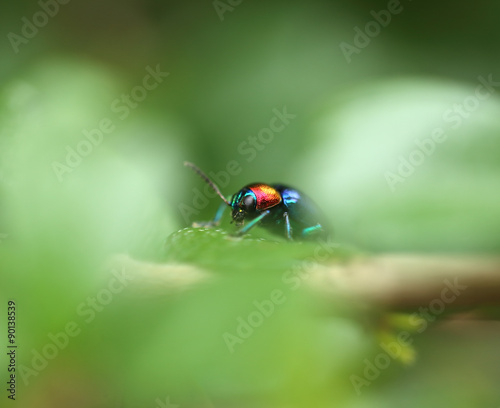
(207, 180)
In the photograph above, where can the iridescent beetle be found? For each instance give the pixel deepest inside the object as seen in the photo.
(277, 207)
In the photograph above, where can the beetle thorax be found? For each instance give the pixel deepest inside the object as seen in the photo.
(266, 196)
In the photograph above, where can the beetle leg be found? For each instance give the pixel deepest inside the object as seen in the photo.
(287, 225)
(311, 230)
(215, 222)
(218, 214)
(252, 223)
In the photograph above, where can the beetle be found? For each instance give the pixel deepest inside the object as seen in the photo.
(277, 207)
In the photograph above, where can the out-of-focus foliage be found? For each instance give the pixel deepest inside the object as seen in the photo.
(343, 133)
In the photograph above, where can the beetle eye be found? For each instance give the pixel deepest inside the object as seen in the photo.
(248, 202)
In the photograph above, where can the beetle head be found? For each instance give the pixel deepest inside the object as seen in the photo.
(243, 204)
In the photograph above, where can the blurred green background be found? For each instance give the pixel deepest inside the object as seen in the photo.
(365, 83)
